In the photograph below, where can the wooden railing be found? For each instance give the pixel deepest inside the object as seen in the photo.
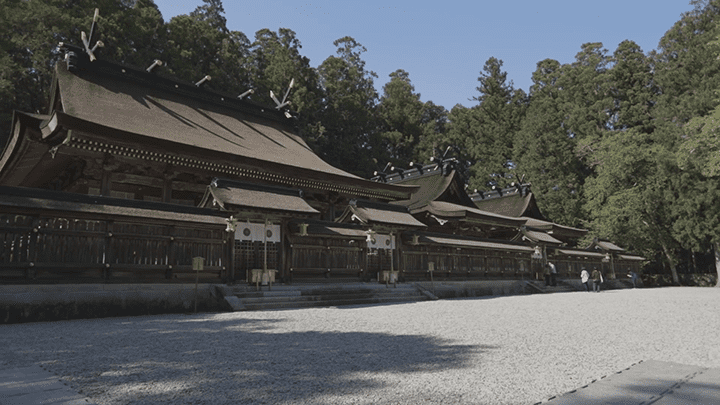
(469, 264)
(331, 262)
(72, 247)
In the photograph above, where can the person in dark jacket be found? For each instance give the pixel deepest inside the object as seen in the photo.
(553, 274)
(597, 278)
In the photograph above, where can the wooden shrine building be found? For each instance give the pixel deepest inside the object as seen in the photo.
(130, 175)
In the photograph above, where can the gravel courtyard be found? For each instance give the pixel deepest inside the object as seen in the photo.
(500, 350)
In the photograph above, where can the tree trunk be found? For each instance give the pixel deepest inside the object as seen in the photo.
(671, 262)
(716, 249)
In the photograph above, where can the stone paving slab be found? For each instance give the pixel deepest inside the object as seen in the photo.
(649, 382)
(33, 385)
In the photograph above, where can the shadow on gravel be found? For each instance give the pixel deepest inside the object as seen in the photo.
(201, 359)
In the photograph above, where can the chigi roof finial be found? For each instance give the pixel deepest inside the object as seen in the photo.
(203, 81)
(155, 64)
(88, 39)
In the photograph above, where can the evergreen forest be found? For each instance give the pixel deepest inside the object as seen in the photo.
(624, 143)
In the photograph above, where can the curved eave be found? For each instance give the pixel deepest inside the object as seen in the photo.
(432, 185)
(370, 216)
(539, 237)
(556, 229)
(632, 258)
(23, 149)
(266, 170)
(460, 242)
(580, 253)
(36, 199)
(209, 199)
(449, 211)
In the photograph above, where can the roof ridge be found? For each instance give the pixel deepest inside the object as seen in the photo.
(77, 61)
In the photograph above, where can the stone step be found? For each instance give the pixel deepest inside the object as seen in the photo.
(323, 280)
(329, 303)
(334, 297)
(260, 300)
(247, 298)
(561, 286)
(295, 292)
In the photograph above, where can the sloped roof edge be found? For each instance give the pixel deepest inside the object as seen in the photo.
(229, 193)
(369, 213)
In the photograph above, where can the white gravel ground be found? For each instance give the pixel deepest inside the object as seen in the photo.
(500, 350)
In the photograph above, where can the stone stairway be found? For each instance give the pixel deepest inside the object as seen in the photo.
(616, 284)
(247, 298)
(540, 287)
(568, 285)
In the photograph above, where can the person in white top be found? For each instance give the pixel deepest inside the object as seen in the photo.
(585, 277)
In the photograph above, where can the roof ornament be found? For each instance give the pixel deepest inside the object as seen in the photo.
(155, 64)
(231, 223)
(381, 175)
(284, 102)
(87, 39)
(398, 170)
(247, 93)
(416, 166)
(203, 81)
(446, 152)
(521, 186)
(439, 220)
(446, 164)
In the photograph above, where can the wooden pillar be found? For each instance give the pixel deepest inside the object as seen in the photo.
(105, 184)
(230, 255)
(284, 245)
(171, 253)
(108, 250)
(167, 190)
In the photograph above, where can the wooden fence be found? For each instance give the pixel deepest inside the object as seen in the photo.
(73, 247)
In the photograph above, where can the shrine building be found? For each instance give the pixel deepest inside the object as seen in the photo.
(130, 175)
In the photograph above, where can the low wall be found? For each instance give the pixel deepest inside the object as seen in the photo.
(31, 303)
(462, 289)
(692, 280)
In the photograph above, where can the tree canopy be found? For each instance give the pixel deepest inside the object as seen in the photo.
(625, 143)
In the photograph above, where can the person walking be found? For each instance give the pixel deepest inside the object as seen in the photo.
(597, 278)
(585, 277)
(553, 274)
(547, 274)
(633, 277)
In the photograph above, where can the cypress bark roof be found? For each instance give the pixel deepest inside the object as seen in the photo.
(369, 213)
(446, 211)
(560, 231)
(39, 199)
(510, 202)
(435, 184)
(581, 253)
(125, 111)
(537, 236)
(605, 245)
(453, 240)
(232, 195)
(101, 96)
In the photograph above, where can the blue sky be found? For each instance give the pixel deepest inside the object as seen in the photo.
(443, 45)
